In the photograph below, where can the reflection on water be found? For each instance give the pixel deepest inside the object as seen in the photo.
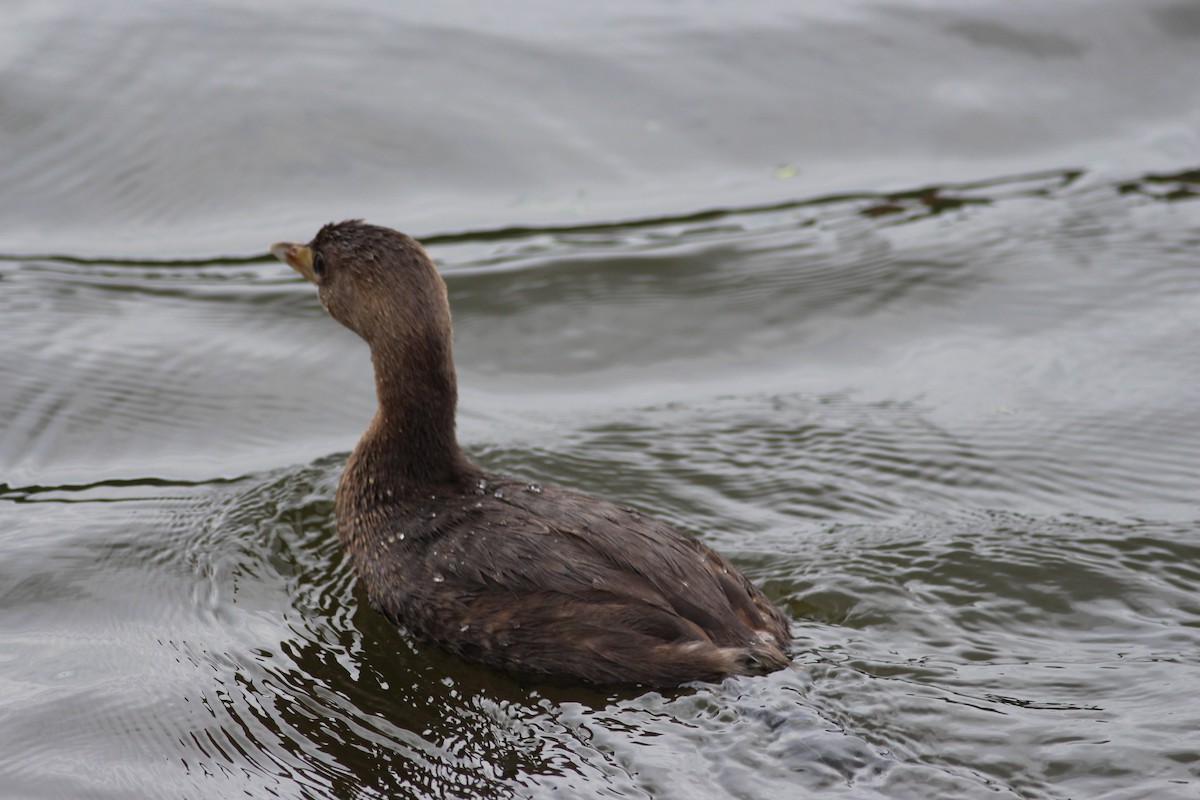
(743, 268)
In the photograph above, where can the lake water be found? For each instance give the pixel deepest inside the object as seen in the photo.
(896, 304)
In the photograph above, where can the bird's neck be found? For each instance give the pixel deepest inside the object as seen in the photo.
(411, 441)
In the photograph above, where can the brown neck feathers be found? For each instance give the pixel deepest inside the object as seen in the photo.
(412, 438)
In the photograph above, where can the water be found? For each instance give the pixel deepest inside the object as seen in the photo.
(894, 304)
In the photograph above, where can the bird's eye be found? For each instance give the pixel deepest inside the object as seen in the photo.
(318, 265)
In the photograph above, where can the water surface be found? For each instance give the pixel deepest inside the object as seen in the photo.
(894, 304)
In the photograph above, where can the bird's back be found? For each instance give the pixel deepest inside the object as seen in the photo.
(551, 581)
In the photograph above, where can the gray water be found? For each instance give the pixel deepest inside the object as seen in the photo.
(897, 304)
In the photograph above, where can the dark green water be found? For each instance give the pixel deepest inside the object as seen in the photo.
(897, 305)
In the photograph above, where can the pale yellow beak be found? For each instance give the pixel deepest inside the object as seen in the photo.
(297, 256)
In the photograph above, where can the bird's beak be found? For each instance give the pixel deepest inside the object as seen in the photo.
(297, 256)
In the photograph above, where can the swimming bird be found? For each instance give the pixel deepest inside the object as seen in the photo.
(535, 579)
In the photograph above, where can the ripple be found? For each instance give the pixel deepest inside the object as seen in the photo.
(220, 626)
(227, 636)
(126, 372)
(1027, 631)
